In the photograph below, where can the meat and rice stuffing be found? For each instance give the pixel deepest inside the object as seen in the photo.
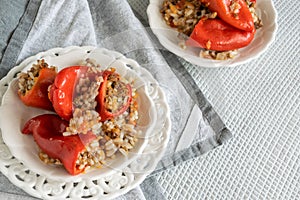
(115, 134)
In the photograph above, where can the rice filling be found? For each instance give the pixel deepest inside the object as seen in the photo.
(113, 135)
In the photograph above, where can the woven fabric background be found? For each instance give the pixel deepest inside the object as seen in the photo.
(260, 103)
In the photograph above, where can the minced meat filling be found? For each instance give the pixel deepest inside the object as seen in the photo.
(116, 94)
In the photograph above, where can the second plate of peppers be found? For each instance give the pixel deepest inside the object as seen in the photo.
(231, 29)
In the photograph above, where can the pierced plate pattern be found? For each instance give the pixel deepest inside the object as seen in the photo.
(118, 182)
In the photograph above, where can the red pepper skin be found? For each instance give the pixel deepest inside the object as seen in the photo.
(48, 131)
(102, 110)
(61, 92)
(215, 34)
(243, 21)
(37, 96)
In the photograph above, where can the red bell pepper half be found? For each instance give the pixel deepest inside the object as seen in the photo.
(37, 96)
(114, 96)
(61, 92)
(241, 20)
(48, 131)
(215, 34)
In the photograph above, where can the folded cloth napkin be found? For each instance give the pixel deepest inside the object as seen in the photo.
(36, 26)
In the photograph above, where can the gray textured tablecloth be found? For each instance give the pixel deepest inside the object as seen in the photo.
(29, 27)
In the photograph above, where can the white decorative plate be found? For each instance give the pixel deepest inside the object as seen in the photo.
(18, 155)
(263, 37)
